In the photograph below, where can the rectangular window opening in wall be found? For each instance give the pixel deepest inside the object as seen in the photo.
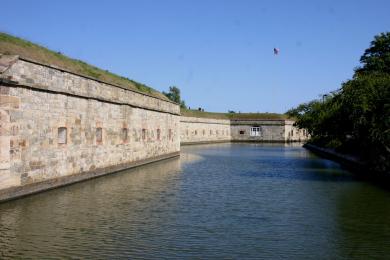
(242, 132)
(211, 132)
(158, 134)
(204, 132)
(62, 135)
(255, 131)
(170, 134)
(196, 132)
(125, 134)
(143, 134)
(99, 135)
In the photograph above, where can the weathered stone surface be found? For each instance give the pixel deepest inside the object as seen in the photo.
(8, 179)
(270, 131)
(49, 78)
(9, 102)
(35, 147)
(94, 114)
(200, 130)
(7, 61)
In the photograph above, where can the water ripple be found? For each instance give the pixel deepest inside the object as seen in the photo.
(225, 201)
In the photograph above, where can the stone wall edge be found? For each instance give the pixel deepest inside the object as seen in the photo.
(86, 77)
(37, 88)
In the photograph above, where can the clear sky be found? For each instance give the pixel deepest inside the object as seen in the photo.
(219, 53)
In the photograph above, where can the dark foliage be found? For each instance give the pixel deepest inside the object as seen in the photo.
(174, 95)
(356, 118)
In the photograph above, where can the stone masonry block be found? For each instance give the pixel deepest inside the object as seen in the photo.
(9, 101)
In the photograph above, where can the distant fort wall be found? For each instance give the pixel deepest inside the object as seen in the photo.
(195, 130)
(270, 130)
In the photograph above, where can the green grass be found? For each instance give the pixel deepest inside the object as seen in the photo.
(16, 46)
(197, 113)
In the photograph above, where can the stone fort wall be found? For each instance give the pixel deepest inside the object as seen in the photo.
(275, 130)
(58, 127)
(204, 130)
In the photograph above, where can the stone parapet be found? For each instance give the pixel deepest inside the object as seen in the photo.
(45, 77)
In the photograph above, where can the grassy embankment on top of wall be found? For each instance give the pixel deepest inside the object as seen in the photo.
(12, 45)
(232, 116)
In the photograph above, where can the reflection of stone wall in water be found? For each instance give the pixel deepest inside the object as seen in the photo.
(56, 124)
(127, 190)
(190, 157)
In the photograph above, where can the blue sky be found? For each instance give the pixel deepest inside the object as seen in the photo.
(219, 53)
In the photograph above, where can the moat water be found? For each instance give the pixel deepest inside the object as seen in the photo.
(234, 201)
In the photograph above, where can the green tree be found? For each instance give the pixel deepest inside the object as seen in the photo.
(174, 95)
(320, 118)
(365, 101)
(356, 118)
(376, 59)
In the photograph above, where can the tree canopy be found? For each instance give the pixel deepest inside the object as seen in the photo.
(376, 59)
(174, 95)
(356, 118)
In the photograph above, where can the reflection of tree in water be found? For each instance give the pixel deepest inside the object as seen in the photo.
(364, 222)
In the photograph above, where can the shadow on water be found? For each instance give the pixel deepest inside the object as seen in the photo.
(363, 221)
(301, 169)
(270, 160)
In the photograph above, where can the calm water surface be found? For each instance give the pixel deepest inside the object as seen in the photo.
(235, 201)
